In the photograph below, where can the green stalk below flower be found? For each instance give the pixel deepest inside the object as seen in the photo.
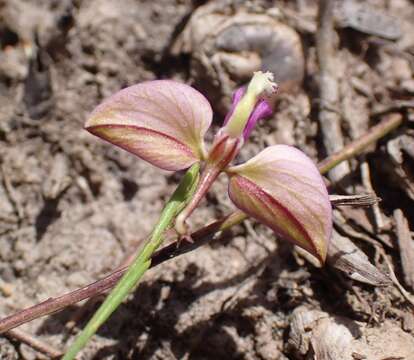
(141, 263)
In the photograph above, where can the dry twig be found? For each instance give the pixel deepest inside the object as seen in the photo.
(346, 257)
(397, 284)
(406, 246)
(34, 343)
(355, 147)
(366, 181)
(329, 118)
(177, 248)
(369, 199)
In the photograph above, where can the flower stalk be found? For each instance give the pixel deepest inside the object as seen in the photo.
(141, 263)
(223, 151)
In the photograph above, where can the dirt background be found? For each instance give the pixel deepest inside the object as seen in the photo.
(72, 207)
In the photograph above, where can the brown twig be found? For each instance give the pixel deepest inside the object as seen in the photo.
(355, 147)
(34, 343)
(392, 107)
(369, 199)
(52, 305)
(345, 256)
(200, 237)
(397, 284)
(366, 182)
(406, 246)
(329, 117)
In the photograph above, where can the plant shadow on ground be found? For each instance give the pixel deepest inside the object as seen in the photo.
(156, 308)
(147, 322)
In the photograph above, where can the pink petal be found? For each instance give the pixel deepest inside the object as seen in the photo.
(161, 121)
(282, 188)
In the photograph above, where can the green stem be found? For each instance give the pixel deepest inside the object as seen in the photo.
(141, 263)
(114, 299)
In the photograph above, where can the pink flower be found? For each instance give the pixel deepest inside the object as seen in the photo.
(164, 123)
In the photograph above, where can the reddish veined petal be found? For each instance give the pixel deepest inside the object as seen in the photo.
(161, 121)
(282, 188)
(149, 145)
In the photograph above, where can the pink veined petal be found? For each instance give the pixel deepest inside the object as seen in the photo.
(282, 188)
(149, 145)
(161, 121)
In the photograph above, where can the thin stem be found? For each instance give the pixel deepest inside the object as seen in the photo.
(355, 147)
(114, 299)
(141, 263)
(223, 151)
(53, 305)
(200, 237)
(207, 178)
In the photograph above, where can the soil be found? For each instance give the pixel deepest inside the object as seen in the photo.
(72, 207)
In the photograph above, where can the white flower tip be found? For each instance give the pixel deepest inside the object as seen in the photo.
(262, 84)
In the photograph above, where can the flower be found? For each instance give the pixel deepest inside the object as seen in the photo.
(250, 105)
(164, 123)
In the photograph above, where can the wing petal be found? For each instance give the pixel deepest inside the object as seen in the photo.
(161, 121)
(282, 188)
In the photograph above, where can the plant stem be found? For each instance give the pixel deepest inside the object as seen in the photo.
(114, 299)
(141, 262)
(223, 151)
(200, 237)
